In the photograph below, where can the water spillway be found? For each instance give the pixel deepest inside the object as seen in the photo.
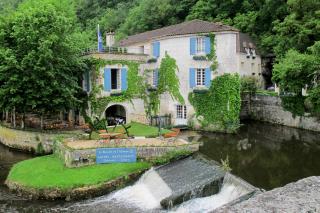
(187, 185)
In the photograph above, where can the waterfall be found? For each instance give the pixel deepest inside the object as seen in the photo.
(184, 180)
(232, 189)
(146, 193)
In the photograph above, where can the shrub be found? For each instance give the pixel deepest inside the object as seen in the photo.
(249, 85)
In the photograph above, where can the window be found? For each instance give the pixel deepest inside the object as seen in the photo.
(155, 78)
(182, 111)
(200, 77)
(115, 79)
(201, 45)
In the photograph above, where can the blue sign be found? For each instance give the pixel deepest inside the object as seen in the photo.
(116, 155)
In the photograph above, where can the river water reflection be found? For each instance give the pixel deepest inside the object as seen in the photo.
(266, 155)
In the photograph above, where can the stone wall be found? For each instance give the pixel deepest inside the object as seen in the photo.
(269, 109)
(301, 196)
(84, 157)
(36, 142)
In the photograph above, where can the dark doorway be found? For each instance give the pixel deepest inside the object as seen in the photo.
(116, 114)
(115, 78)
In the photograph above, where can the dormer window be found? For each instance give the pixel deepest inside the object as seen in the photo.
(253, 52)
(247, 52)
(201, 45)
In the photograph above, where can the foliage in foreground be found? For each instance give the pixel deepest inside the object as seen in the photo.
(49, 172)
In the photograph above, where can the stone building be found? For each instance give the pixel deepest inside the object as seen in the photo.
(235, 53)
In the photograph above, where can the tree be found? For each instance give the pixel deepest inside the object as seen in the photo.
(40, 66)
(300, 29)
(296, 71)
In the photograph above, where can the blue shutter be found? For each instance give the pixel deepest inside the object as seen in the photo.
(193, 46)
(192, 77)
(124, 84)
(87, 79)
(207, 45)
(208, 77)
(107, 79)
(156, 49)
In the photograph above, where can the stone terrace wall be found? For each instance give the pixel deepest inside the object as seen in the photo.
(27, 140)
(269, 109)
(84, 157)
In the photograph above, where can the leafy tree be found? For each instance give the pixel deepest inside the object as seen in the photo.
(296, 71)
(40, 66)
(300, 28)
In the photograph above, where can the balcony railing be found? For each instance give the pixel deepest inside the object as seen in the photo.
(112, 50)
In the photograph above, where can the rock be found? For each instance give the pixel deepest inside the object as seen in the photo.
(301, 196)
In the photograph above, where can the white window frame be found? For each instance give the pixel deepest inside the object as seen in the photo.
(154, 78)
(181, 111)
(200, 45)
(200, 77)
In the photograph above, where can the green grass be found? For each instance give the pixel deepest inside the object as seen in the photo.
(138, 129)
(266, 92)
(49, 172)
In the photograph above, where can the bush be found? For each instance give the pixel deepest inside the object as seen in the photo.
(249, 85)
(220, 106)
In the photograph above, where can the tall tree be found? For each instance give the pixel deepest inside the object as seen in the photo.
(40, 65)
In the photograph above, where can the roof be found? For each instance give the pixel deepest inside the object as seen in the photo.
(189, 27)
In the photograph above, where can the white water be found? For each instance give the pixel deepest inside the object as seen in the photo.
(146, 193)
(227, 194)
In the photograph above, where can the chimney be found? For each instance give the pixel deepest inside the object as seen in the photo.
(110, 39)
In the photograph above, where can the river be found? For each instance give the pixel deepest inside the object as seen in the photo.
(265, 155)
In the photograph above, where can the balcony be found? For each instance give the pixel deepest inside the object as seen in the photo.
(115, 53)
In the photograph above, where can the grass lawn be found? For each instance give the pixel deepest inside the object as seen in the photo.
(266, 92)
(138, 129)
(49, 172)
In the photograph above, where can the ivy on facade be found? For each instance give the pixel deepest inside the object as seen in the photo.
(212, 55)
(219, 108)
(136, 88)
(168, 82)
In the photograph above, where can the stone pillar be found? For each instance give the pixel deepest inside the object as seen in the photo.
(277, 89)
(110, 39)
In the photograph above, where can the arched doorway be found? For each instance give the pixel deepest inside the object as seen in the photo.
(116, 114)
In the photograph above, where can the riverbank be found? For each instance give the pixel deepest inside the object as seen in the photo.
(32, 141)
(268, 108)
(47, 178)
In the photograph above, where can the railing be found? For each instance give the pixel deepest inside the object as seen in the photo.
(164, 120)
(112, 50)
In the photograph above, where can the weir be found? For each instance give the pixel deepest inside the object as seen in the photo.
(193, 184)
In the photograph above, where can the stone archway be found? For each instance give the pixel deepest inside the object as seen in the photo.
(116, 114)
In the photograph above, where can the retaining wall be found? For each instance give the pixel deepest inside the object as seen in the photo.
(84, 157)
(36, 142)
(269, 109)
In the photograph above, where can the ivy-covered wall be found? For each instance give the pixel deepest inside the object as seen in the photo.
(136, 87)
(218, 109)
